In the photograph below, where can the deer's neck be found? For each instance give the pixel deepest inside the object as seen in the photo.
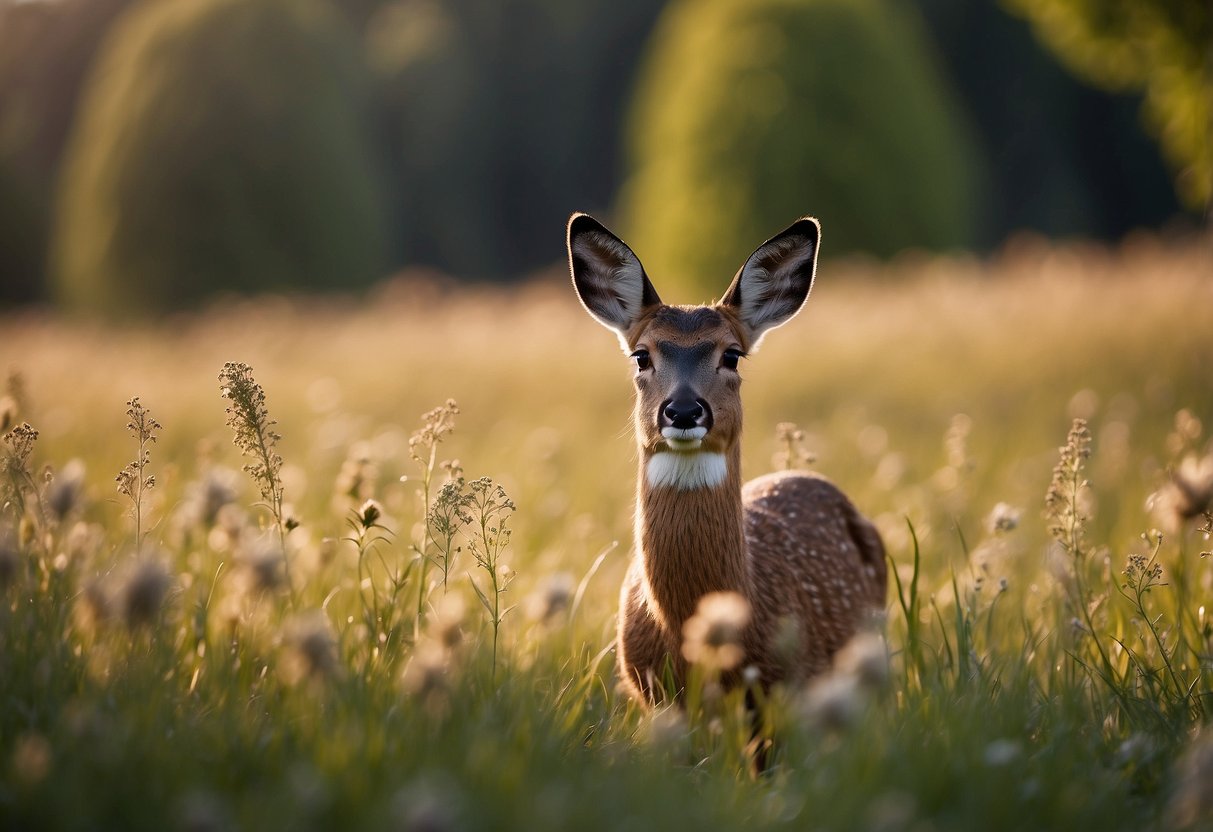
(689, 530)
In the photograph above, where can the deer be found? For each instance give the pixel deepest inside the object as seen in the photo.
(791, 544)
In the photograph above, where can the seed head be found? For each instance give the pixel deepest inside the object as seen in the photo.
(357, 477)
(309, 649)
(369, 513)
(713, 636)
(253, 429)
(206, 497)
(833, 702)
(553, 597)
(865, 658)
(666, 728)
(1187, 495)
(264, 566)
(142, 595)
(65, 493)
(1003, 518)
(445, 628)
(426, 673)
(94, 606)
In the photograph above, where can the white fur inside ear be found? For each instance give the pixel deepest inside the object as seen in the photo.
(612, 285)
(686, 472)
(774, 284)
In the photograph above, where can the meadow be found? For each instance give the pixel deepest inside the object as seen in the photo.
(187, 644)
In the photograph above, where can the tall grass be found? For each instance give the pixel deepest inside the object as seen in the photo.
(436, 659)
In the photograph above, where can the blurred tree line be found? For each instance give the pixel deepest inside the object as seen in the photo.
(155, 151)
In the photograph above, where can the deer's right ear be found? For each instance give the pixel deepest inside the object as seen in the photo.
(608, 277)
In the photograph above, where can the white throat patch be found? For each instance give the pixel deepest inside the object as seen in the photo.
(686, 471)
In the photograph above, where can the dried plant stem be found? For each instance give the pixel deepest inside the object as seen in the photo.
(133, 479)
(254, 435)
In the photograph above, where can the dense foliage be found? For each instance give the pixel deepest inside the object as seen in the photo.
(1161, 48)
(492, 122)
(751, 114)
(222, 145)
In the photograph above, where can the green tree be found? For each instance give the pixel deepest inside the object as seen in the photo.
(46, 50)
(750, 113)
(1163, 48)
(222, 144)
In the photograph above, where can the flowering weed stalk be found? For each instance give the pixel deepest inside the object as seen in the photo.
(133, 480)
(254, 434)
(369, 535)
(423, 447)
(490, 509)
(1067, 525)
(447, 515)
(1142, 574)
(18, 448)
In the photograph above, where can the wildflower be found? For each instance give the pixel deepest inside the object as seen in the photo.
(833, 701)
(1063, 499)
(1001, 752)
(1142, 571)
(65, 492)
(83, 540)
(956, 442)
(230, 528)
(426, 673)
(14, 464)
(1192, 801)
(369, 513)
(142, 594)
(437, 424)
(445, 626)
(792, 453)
(253, 431)
(264, 566)
(666, 727)
(309, 649)
(94, 607)
(1187, 495)
(357, 477)
(866, 658)
(553, 597)
(1003, 518)
(713, 636)
(206, 497)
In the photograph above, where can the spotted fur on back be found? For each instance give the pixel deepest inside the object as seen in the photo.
(812, 568)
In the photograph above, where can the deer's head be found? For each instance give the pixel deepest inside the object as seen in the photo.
(688, 400)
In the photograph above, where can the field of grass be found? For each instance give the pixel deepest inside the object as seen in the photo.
(175, 657)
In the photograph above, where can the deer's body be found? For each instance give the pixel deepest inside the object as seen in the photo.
(791, 544)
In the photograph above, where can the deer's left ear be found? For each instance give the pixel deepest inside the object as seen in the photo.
(775, 281)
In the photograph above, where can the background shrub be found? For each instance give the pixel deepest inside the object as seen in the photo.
(753, 113)
(222, 145)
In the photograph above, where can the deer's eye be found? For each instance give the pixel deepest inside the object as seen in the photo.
(730, 358)
(641, 357)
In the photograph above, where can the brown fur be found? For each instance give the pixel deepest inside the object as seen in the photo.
(812, 568)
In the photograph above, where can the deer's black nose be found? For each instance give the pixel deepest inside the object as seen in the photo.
(684, 414)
